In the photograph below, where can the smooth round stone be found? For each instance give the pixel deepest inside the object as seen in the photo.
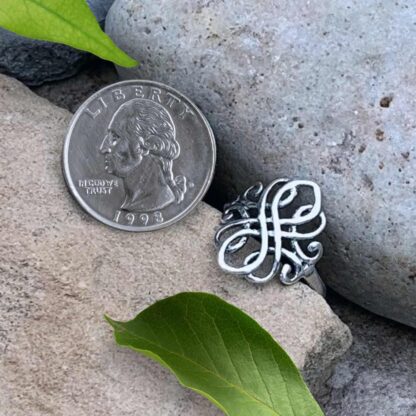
(35, 62)
(323, 91)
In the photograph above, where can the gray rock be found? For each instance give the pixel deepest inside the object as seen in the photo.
(377, 375)
(100, 8)
(70, 93)
(35, 62)
(61, 271)
(320, 90)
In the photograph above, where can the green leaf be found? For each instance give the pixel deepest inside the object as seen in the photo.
(220, 352)
(70, 22)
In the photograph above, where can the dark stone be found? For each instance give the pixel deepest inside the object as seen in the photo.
(35, 62)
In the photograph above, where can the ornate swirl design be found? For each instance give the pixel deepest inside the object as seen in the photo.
(262, 216)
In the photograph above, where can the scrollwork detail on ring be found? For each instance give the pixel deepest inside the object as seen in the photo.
(261, 214)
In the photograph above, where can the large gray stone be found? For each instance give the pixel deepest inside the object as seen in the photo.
(319, 89)
(61, 271)
(35, 62)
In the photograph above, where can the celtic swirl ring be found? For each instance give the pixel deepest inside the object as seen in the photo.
(273, 229)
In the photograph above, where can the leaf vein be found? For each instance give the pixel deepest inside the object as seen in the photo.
(199, 340)
(255, 364)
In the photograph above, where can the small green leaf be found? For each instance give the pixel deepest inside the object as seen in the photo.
(70, 22)
(220, 352)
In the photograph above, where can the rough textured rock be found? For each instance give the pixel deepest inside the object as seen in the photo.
(322, 90)
(377, 375)
(61, 271)
(35, 62)
(100, 8)
(72, 92)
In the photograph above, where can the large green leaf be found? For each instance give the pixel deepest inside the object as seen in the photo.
(70, 22)
(217, 350)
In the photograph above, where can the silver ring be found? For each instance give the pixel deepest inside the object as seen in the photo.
(273, 229)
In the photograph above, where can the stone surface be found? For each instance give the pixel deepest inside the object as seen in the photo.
(61, 271)
(377, 375)
(70, 93)
(322, 90)
(100, 8)
(35, 62)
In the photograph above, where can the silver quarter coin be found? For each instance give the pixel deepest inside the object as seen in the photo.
(139, 155)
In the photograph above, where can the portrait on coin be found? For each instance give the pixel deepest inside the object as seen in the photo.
(140, 147)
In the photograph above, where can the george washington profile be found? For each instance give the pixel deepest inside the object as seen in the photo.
(140, 147)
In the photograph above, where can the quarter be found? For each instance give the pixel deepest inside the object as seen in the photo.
(139, 155)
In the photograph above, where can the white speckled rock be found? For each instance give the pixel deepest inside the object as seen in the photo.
(61, 271)
(319, 89)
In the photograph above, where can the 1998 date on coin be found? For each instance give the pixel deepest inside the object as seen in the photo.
(143, 219)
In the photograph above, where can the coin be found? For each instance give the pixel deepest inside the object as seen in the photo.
(139, 155)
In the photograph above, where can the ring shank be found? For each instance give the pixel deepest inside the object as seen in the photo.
(314, 281)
